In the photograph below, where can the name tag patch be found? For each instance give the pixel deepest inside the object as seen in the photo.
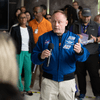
(71, 38)
(69, 42)
(66, 46)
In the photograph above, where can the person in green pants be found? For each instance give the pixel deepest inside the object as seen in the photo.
(23, 37)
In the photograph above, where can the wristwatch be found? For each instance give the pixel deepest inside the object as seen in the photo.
(81, 52)
(96, 39)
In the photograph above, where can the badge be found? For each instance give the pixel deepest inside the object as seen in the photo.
(67, 47)
(36, 31)
(71, 38)
(47, 42)
(69, 42)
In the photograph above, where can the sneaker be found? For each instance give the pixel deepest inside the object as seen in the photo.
(97, 97)
(81, 96)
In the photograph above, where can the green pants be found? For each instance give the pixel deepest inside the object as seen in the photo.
(24, 60)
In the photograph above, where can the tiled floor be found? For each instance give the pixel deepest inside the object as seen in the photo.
(89, 94)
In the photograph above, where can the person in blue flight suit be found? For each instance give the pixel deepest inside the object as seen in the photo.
(58, 77)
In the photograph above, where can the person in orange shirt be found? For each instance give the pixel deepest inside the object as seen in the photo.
(39, 26)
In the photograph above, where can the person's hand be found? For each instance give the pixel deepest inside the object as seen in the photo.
(80, 36)
(77, 47)
(93, 37)
(45, 54)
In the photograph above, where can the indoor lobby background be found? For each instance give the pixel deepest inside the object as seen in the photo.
(52, 5)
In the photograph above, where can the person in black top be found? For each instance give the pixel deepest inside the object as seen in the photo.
(23, 37)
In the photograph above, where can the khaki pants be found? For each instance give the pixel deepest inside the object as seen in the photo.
(52, 90)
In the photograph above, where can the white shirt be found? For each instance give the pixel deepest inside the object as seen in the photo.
(25, 39)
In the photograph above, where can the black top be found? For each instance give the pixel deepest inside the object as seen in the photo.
(16, 35)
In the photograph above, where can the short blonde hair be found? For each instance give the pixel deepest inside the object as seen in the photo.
(8, 64)
(59, 11)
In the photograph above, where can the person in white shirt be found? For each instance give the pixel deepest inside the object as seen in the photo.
(23, 36)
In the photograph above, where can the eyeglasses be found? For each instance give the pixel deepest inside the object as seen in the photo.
(48, 18)
(22, 17)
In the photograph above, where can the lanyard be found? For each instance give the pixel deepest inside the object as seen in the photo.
(84, 29)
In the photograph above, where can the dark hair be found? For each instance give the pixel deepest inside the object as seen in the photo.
(71, 14)
(76, 2)
(44, 7)
(80, 7)
(20, 14)
(41, 8)
(61, 9)
(29, 13)
(15, 18)
(67, 6)
(9, 92)
(15, 12)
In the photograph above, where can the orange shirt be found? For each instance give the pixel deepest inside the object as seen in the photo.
(42, 27)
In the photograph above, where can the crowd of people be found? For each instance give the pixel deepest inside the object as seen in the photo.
(60, 45)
